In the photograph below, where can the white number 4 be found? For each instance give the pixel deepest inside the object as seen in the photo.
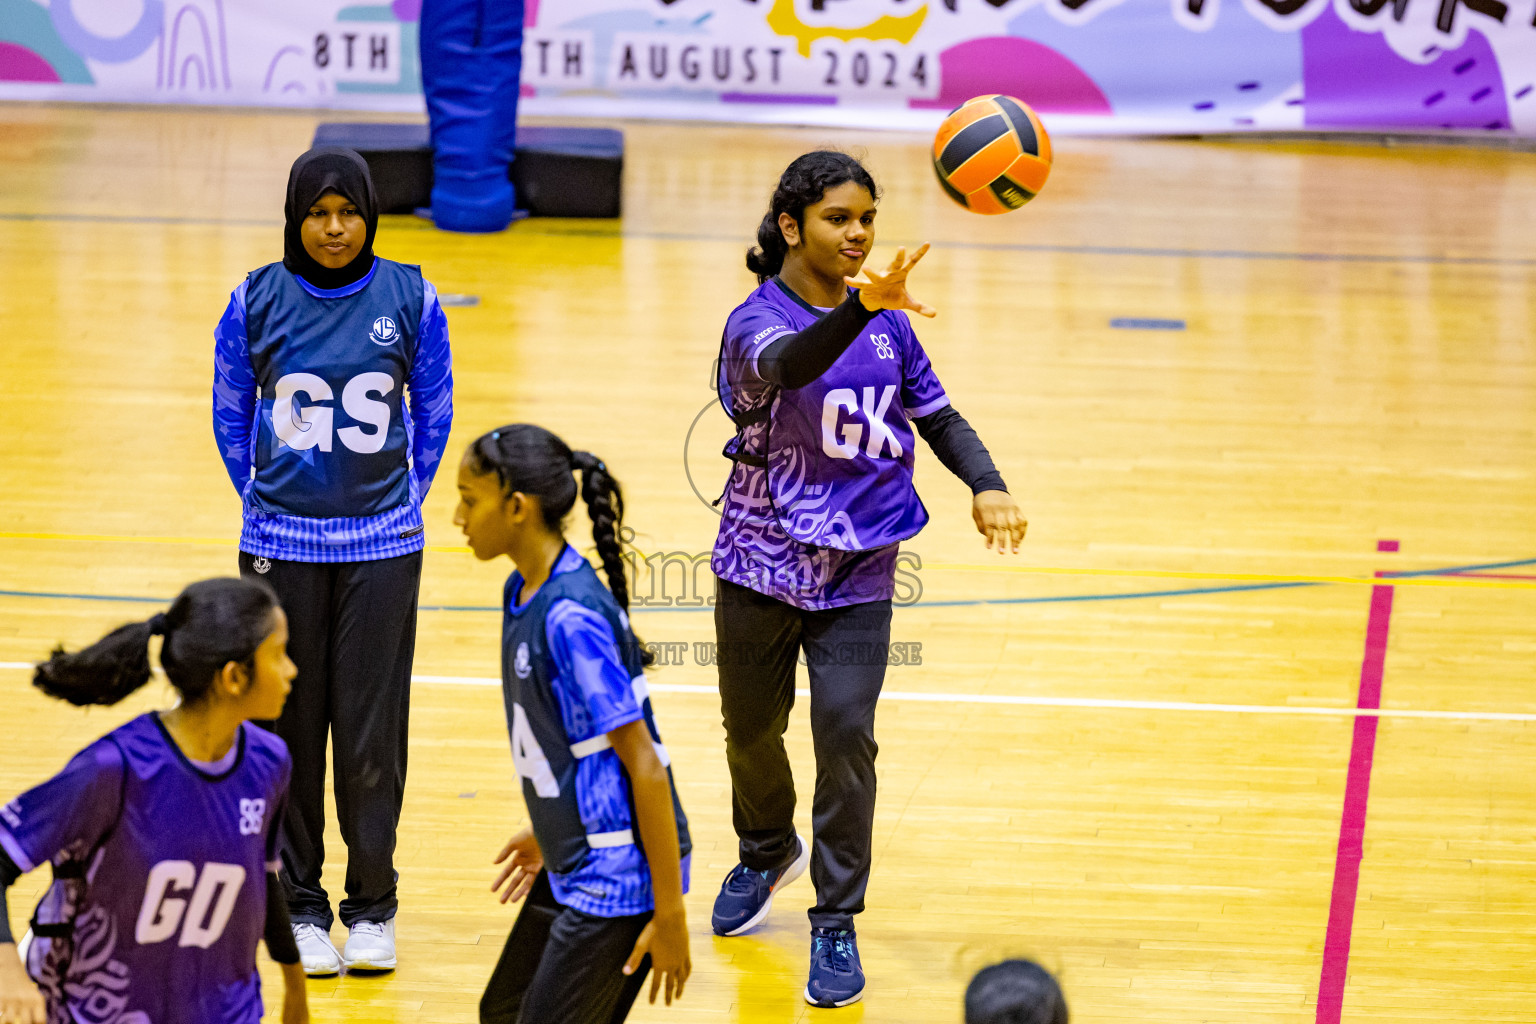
(529, 757)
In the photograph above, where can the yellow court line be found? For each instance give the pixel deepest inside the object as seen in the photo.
(1029, 570)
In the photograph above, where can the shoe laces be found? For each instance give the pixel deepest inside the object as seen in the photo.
(743, 880)
(834, 950)
(305, 930)
(372, 929)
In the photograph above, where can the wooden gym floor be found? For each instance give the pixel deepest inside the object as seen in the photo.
(1132, 752)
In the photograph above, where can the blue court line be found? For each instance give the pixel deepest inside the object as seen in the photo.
(1143, 323)
(972, 603)
(677, 236)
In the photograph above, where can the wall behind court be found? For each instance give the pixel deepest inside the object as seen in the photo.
(1086, 65)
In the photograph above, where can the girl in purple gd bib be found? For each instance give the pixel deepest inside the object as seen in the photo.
(825, 381)
(162, 834)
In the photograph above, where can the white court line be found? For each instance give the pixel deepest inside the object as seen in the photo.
(1081, 702)
(1045, 702)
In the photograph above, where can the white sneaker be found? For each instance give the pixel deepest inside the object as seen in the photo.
(317, 953)
(370, 946)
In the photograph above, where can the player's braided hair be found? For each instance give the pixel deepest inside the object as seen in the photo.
(802, 184)
(532, 460)
(210, 624)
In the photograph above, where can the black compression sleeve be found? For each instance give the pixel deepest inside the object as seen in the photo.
(794, 360)
(281, 946)
(9, 872)
(960, 450)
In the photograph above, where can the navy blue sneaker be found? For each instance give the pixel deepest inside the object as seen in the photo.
(837, 977)
(746, 895)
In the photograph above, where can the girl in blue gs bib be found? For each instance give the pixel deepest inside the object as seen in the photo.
(604, 863)
(332, 400)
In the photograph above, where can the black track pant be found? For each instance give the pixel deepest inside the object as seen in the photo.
(352, 635)
(561, 966)
(759, 642)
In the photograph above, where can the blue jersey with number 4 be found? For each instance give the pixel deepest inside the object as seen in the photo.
(160, 868)
(569, 680)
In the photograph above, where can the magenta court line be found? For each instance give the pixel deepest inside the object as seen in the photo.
(1357, 791)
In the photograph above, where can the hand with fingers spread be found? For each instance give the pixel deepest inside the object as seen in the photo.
(999, 518)
(665, 938)
(524, 860)
(889, 290)
(20, 1001)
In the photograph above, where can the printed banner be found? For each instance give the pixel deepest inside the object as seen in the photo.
(1085, 65)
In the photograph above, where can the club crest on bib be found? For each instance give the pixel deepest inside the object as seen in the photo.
(252, 813)
(520, 664)
(384, 331)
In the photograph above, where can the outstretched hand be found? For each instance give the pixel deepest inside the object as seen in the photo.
(889, 290)
(524, 860)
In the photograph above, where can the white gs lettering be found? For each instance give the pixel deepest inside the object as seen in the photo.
(301, 427)
(843, 440)
(297, 427)
(202, 916)
(354, 399)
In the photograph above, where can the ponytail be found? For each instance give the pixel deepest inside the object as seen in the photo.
(605, 507)
(103, 673)
(536, 462)
(210, 624)
(802, 184)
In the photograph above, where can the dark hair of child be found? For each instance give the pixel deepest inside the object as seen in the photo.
(1014, 992)
(210, 624)
(530, 459)
(802, 184)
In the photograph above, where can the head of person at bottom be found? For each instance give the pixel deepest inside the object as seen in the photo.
(820, 224)
(331, 216)
(517, 485)
(1014, 992)
(224, 649)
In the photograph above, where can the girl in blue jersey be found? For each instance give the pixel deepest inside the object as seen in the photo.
(605, 861)
(314, 359)
(829, 389)
(162, 835)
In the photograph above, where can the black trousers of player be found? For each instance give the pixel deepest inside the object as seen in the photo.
(759, 643)
(352, 636)
(561, 966)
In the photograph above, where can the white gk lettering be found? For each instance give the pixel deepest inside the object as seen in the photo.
(198, 904)
(842, 440)
(302, 427)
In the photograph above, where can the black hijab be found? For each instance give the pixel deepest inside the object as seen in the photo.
(316, 173)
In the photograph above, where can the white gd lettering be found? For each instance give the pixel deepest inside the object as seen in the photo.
(199, 904)
(528, 756)
(842, 440)
(301, 427)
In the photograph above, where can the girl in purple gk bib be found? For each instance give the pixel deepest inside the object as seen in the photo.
(162, 835)
(825, 381)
